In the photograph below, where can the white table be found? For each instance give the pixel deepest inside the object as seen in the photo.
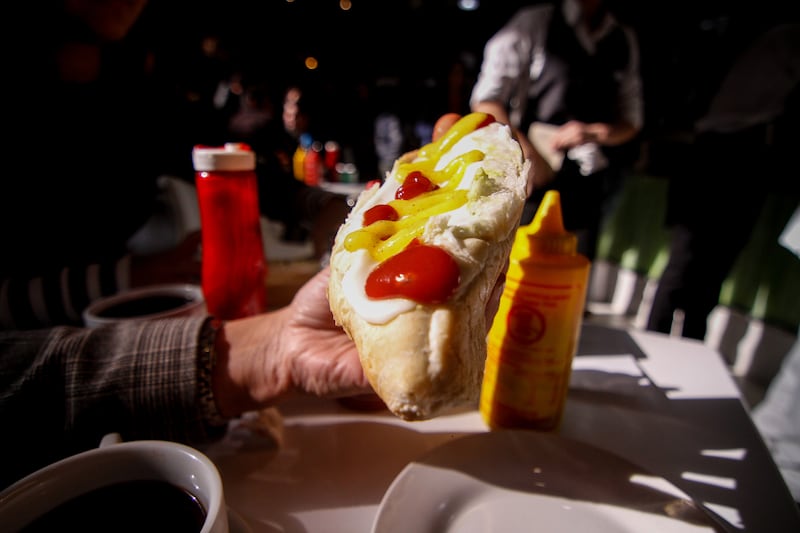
(666, 404)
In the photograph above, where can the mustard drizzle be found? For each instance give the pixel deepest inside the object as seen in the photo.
(385, 238)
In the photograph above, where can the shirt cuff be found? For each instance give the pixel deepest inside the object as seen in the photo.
(206, 360)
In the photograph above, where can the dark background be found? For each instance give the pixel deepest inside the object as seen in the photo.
(686, 45)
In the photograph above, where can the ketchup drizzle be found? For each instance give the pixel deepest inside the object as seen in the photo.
(421, 272)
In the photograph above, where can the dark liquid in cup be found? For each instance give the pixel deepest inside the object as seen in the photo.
(145, 305)
(149, 506)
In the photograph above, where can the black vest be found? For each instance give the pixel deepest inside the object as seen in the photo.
(575, 85)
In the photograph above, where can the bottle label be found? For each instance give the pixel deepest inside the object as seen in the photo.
(539, 317)
(530, 349)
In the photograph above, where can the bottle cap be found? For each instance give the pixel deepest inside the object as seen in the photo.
(546, 233)
(231, 156)
(306, 140)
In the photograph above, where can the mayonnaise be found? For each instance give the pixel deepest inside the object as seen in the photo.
(484, 217)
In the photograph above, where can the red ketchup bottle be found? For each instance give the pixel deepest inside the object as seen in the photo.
(234, 266)
(314, 164)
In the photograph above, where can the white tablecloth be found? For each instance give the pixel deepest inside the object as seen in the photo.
(663, 403)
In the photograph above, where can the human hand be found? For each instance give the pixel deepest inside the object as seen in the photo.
(180, 264)
(575, 133)
(324, 359)
(295, 350)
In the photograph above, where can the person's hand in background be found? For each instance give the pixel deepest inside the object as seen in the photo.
(576, 133)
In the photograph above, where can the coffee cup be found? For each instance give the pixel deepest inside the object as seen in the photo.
(144, 485)
(146, 303)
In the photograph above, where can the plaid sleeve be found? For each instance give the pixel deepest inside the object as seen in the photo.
(142, 378)
(62, 389)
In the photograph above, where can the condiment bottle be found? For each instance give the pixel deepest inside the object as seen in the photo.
(234, 266)
(299, 157)
(331, 160)
(534, 335)
(314, 164)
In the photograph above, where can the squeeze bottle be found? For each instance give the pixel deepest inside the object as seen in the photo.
(234, 266)
(314, 164)
(299, 157)
(535, 332)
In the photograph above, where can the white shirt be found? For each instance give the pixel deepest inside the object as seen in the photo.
(516, 55)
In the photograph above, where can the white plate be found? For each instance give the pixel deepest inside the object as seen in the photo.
(516, 480)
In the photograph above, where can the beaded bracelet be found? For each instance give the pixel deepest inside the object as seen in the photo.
(206, 360)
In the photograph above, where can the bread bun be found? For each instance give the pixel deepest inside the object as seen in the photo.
(424, 355)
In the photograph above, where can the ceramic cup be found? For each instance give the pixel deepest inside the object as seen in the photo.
(146, 485)
(146, 303)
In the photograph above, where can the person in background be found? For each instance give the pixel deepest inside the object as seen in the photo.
(183, 379)
(100, 122)
(295, 112)
(743, 147)
(390, 134)
(388, 141)
(304, 112)
(254, 114)
(85, 159)
(307, 212)
(569, 69)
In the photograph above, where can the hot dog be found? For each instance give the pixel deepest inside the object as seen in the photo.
(414, 264)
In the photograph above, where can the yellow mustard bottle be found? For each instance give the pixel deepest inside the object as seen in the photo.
(534, 335)
(299, 157)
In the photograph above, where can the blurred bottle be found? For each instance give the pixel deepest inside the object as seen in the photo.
(535, 332)
(314, 165)
(331, 160)
(299, 157)
(347, 172)
(234, 266)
